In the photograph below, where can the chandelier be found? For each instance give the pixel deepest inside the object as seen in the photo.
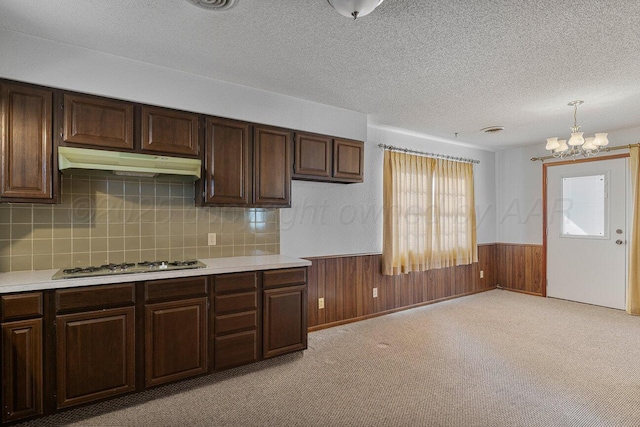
(577, 144)
(354, 8)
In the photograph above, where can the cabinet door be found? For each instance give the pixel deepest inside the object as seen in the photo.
(175, 340)
(348, 160)
(227, 163)
(284, 320)
(169, 131)
(26, 132)
(98, 122)
(312, 156)
(95, 355)
(21, 369)
(272, 167)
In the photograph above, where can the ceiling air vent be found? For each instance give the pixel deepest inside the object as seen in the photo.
(218, 5)
(492, 129)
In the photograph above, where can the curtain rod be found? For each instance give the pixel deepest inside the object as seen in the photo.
(427, 154)
(604, 150)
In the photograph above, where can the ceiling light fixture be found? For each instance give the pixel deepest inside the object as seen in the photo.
(218, 5)
(577, 144)
(354, 8)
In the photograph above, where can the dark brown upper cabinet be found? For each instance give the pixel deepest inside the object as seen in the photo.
(271, 166)
(26, 142)
(312, 155)
(327, 159)
(246, 165)
(227, 173)
(113, 124)
(348, 160)
(97, 122)
(170, 131)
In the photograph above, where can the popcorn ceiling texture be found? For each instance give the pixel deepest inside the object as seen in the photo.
(438, 67)
(102, 220)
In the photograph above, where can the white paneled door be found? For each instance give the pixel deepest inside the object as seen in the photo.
(587, 232)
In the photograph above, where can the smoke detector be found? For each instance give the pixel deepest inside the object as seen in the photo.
(218, 5)
(492, 129)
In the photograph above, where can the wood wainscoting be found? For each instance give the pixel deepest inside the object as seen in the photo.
(520, 268)
(346, 283)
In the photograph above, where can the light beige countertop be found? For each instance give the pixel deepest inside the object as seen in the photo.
(21, 281)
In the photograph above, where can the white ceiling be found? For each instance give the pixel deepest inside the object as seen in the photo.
(436, 67)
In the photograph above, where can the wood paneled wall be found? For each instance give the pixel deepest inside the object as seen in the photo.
(521, 268)
(346, 283)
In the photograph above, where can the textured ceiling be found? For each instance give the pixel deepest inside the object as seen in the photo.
(437, 67)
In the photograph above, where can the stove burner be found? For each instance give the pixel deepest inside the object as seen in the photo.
(114, 267)
(153, 263)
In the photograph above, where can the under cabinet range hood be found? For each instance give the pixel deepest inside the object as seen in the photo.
(82, 160)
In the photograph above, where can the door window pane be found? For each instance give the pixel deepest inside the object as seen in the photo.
(584, 206)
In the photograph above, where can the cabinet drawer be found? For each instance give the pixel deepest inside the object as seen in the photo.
(236, 349)
(284, 277)
(21, 306)
(175, 288)
(236, 282)
(236, 302)
(236, 322)
(92, 297)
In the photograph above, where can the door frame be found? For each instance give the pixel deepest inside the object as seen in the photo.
(544, 205)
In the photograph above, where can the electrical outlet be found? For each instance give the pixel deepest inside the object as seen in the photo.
(320, 303)
(482, 274)
(375, 292)
(211, 239)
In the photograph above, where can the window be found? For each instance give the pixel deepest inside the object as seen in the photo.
(429, 213)
(584, 206)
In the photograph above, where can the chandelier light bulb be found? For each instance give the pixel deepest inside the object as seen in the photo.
(562, 146)
(601, 139)
(552, 143)
(589, 144)
(576, 139)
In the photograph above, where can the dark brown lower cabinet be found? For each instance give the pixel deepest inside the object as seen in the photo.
(21, 369)
(284, 320)
(175, 340)
(95, 355)
(66, 347)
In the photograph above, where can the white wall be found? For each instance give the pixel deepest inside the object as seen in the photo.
(336, 219)
(519, 189)
(519, 195)
(35, 60)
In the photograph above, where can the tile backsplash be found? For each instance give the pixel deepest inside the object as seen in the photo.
(102, 220)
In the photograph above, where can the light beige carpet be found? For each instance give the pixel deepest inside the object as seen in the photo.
(491, 359)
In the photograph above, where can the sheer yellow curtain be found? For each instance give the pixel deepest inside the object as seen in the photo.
(408, 213)
(454, 215)
(429, 214)
(633, 287)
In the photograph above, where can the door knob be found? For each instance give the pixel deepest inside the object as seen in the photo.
(619, 242)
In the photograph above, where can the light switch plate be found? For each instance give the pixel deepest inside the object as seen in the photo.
(211, 239)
